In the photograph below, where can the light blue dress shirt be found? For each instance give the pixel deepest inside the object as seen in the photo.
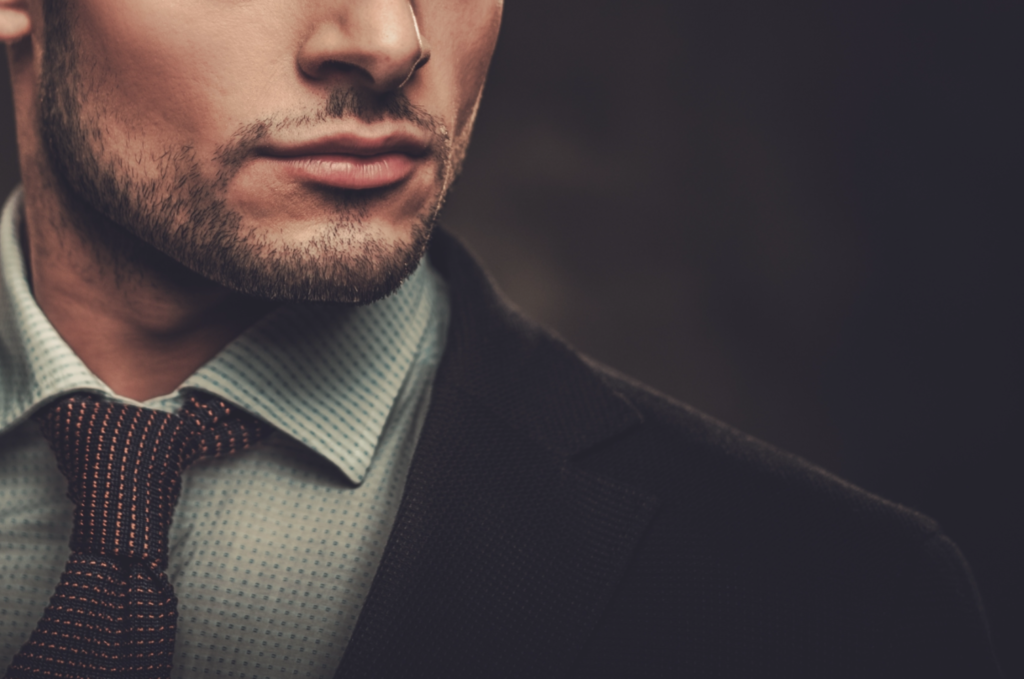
(272, 552)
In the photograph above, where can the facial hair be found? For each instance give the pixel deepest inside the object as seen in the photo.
(181, 219)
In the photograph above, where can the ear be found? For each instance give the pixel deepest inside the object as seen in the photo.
(15, 20)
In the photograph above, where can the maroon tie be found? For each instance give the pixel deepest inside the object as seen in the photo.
(114, 613)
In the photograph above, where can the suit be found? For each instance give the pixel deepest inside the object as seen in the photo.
(560, 520)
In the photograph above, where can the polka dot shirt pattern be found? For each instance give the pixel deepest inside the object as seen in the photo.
(273, 551)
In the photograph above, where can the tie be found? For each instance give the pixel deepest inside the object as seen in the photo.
(114, 613)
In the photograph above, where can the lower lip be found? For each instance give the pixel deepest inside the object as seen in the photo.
(350, 172)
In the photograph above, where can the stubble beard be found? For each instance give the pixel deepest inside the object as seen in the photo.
(181, 219)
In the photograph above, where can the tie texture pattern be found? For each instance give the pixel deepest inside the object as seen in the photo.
(114, 613)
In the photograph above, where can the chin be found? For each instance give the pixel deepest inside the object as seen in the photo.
(355, 257)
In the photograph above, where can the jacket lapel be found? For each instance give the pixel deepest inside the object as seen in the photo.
(503, 553)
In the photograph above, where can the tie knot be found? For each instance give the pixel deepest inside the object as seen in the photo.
(123, 465)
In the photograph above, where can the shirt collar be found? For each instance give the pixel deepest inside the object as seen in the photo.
(326, 375)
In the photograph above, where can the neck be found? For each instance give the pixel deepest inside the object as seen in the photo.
(140, 321)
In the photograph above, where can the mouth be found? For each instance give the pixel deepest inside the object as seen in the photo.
(349, 161)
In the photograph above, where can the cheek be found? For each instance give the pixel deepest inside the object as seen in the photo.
(157, 66)
(462, 36)
(472, 72)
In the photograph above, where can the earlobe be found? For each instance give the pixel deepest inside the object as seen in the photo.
(15, 20)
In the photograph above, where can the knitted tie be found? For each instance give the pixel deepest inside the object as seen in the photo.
(114, 613)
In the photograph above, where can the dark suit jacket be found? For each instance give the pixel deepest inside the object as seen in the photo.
(560, 520)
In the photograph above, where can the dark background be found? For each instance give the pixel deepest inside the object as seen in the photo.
(800, 217)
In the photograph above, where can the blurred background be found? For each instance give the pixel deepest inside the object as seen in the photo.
(799, 217)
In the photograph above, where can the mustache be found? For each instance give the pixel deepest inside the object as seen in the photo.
(370, 107)
(346, 102)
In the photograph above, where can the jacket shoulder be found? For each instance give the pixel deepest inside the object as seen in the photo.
(751, 563)
(675, 445)
(759, 563)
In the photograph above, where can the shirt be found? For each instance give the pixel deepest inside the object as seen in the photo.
(272, 551)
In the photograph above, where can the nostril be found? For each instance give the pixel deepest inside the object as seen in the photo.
(420, 63)
(330, 68)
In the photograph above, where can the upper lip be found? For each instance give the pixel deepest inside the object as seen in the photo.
(348, 144)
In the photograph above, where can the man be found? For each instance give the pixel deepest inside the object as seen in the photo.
(217, 259)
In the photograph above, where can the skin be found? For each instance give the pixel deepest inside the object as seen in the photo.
(161, 88)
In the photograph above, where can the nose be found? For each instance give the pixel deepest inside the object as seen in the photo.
(377, 42)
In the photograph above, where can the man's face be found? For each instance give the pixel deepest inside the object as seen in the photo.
(290, 149)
